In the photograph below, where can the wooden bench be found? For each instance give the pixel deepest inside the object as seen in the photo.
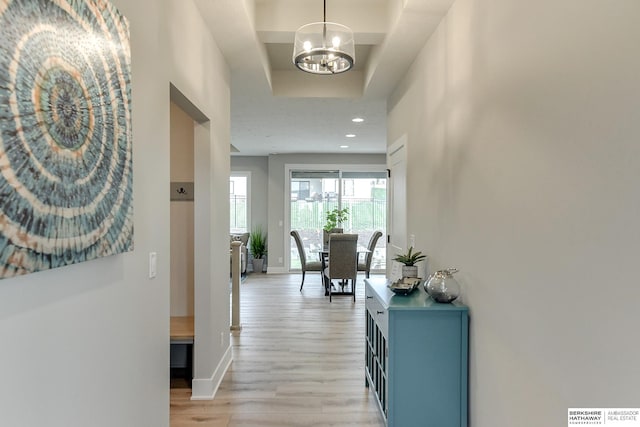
(182, 336)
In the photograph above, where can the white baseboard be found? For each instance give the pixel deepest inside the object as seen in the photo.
(277, 270)
(205, 389)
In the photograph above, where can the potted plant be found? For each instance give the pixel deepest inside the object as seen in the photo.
(335, 218)
(258, 244)
(410, 259)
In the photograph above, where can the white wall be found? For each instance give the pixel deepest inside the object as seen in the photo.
(201, 75)
(89, 343)
(522, 120)
(181, 235)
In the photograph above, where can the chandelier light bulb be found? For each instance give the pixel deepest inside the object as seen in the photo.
(336, 42)
(307, 46)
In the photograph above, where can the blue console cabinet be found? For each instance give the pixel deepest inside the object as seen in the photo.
(416, 357)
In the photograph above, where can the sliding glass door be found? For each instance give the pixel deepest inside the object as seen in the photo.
(314, 192)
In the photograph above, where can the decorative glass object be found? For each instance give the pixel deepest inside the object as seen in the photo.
(442, 286)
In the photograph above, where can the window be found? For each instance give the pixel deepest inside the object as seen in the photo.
(239, 202)
(348, 187)
(300, 190)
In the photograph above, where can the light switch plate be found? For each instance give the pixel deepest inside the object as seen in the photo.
(153, 264)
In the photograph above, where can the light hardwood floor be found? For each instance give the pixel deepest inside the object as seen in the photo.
(298, 361)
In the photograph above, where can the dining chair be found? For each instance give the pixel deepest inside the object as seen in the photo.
(366, 265)
(343, 261)
(304, 265)
(326, 234)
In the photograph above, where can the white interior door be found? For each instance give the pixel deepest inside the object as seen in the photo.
(397, 205)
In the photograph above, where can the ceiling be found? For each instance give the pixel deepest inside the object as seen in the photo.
(276, 108)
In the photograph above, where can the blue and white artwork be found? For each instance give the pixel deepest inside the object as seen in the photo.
(65, 134)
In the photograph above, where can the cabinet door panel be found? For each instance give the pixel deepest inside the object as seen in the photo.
(425, 368)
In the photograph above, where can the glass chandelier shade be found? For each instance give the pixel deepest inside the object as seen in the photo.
(324, 48)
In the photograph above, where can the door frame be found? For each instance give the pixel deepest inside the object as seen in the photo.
(396, 243)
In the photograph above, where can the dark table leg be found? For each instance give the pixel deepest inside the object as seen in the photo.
(189, 367)
(325, 279)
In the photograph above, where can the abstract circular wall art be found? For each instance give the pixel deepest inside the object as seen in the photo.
(65, 134)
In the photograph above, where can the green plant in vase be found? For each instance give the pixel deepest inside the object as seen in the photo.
(410, 259)
(335, 218)
(258, 247)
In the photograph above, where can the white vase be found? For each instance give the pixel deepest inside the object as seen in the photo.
(258, 264)
(409, 271)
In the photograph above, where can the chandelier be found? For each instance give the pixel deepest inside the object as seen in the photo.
(324, 47)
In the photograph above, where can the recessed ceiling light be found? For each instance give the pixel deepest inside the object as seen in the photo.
(344, 146)
(357, 120)
(350, 135)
